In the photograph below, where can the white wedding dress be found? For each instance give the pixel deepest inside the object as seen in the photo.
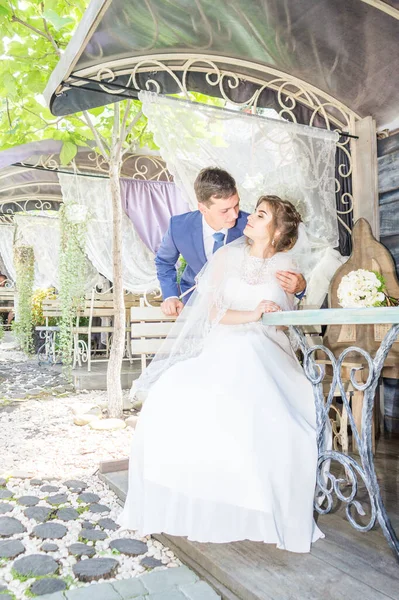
(225, 446)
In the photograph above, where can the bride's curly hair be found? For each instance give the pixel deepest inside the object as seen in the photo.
(286, 221)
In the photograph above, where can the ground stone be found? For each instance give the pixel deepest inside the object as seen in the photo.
(49, 585)
(35, 565)
(107, 424)
(52, 531)
(11, 548)
(28, 500)
(93, 569)
(93, 535)
(67, 514)
(98, 508)
(57, 499)
(151, 562)
(79, 549)
(36, 482)
(4, 494)
(75, 485)
(82, 420)
(38, 513)
(129, 546)
(87, 525)
(108, 524)
(49, 488)
(49, 547)
(10, 526)
(88, 497)
(3, 482)
(5, 507)
(132, 421)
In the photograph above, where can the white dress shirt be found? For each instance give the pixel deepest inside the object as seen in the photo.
(209, 240)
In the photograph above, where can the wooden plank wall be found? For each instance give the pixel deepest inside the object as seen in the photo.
(388, 189)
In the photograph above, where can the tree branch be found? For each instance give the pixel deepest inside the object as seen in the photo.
(8, 113)
(132, 124)
(125, 116)
(48, 37)
(101, 143)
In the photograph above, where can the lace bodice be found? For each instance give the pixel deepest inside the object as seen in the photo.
(256, 282)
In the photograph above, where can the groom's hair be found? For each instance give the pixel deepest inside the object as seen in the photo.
(214, 182)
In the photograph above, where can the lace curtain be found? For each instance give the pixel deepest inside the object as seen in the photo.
(265, 156)
(138, 268)
(6, 250)
(43, 234)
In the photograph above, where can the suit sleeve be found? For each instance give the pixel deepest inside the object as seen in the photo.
(165, 262)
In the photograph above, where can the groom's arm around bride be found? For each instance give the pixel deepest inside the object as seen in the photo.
(198, 234)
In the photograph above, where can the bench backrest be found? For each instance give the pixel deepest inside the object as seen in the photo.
(148, 329)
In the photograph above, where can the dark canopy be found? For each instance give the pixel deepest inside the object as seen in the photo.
(348, 50)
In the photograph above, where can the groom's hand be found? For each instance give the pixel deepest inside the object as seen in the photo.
(172, 307)
(291, 282)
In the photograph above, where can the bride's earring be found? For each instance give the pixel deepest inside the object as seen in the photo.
(273, 243)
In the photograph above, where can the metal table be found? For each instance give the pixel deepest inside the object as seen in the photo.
(364, 468)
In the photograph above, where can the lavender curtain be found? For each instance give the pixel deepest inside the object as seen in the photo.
(149, 205)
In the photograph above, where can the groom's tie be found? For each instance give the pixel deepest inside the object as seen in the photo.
(219, 241)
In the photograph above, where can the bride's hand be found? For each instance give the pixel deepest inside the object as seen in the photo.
(265, 306)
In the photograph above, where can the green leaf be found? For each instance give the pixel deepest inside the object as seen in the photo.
(10, 85)
(56, 20)
(68, 152)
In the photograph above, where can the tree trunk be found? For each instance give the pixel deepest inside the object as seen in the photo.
(114, 386)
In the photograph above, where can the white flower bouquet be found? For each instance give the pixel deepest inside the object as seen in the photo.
(362, 288)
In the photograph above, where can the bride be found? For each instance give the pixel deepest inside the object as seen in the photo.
(225, 446)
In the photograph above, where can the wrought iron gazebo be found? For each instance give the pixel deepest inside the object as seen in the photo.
(327, 64)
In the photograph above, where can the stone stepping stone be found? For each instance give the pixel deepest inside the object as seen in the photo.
(79, 549)
(49, 547)
(28, 500)
(75, 485)
(35, 565)
(150, 562)
(51, 531)
(57, 499)
(3, 588)
(36, 482)
(67, 514)
(87, 525)
(49, 585)
(3, 482)
(129, 546)
(7, 597)
(99, 508)
(93, 569)
(10, 526)
(11, 548)
(108, 524)
(5, 508)
(49, 488)
(38, 513)
(88, 498)
(4, 494)
(93, 535)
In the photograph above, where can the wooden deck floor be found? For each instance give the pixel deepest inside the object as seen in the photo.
(347, 564)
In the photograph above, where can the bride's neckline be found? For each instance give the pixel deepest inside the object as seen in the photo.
(248, 249)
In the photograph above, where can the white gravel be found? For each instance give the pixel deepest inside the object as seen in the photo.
(39, 439)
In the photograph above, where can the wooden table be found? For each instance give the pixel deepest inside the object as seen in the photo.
(363, 469)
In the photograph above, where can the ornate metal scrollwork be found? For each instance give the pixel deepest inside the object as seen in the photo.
(330, 486)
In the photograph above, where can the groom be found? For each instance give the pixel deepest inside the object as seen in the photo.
(198, 234)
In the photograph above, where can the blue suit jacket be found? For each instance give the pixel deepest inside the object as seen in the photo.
(185, 237)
